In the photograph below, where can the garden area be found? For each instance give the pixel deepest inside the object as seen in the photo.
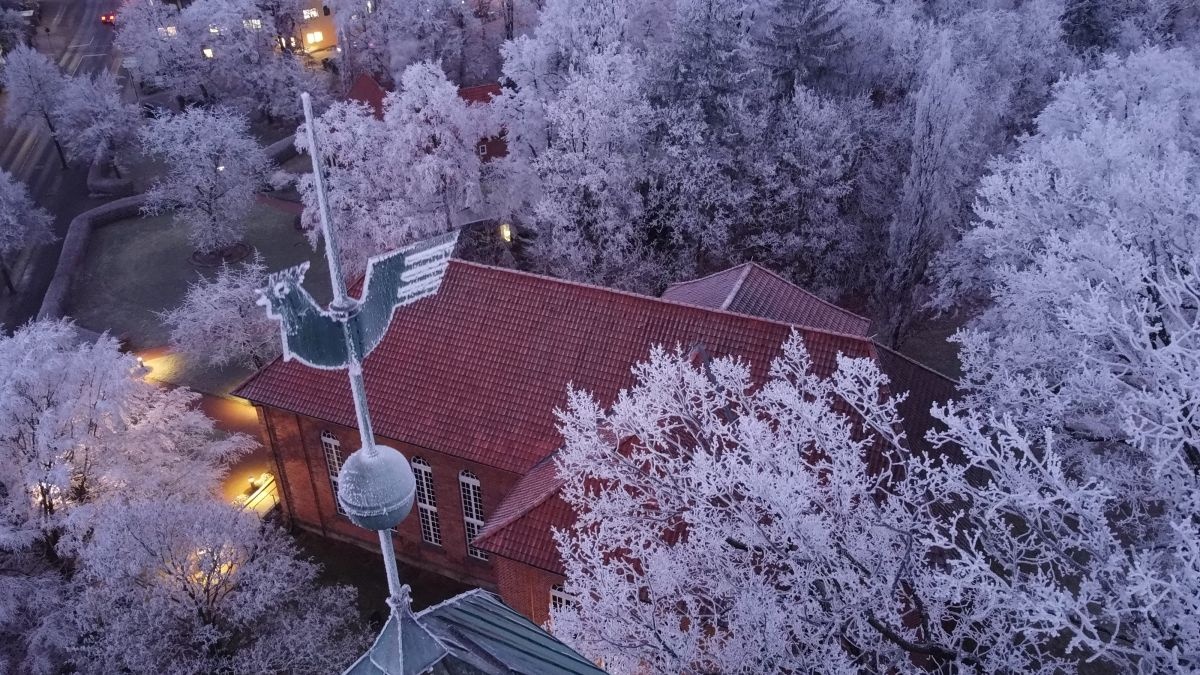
(137, 268)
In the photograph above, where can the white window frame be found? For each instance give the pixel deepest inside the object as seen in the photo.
(333, 460)
(472, 505)
(431, 529)
(310, 13)
(560, 598)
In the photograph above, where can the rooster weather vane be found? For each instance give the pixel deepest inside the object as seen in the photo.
(376, 486)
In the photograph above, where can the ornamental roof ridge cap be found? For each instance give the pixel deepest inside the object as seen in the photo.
(737, 286)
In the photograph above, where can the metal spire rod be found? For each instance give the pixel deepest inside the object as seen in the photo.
(376, 485)
(345, 307)
(342, 304)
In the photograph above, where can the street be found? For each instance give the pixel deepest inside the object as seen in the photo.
(80, 44)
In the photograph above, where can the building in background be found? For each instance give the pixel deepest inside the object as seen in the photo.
(316, 33)
(465, 384)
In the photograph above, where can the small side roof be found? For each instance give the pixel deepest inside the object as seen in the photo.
(480, 630)
(752, 289)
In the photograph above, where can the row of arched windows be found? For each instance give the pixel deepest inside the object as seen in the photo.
(427, 511)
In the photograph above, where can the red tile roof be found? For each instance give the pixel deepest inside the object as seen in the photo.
(520, 527)
(476, 370)
(752, 289)
(366, 90)
(483, 93)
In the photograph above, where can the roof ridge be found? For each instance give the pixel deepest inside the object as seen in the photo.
(737, 286)
(648, 298)
(952, 380)
(450, 600)
(707, 276)
(810, 293)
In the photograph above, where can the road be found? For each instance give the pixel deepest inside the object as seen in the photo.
(80, 44)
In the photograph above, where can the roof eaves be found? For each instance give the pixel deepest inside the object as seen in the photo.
(922, 366)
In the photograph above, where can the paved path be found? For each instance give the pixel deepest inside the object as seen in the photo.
(79, 44)
(232, 416)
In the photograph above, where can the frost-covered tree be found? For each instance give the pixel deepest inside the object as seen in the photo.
(399, 179)
(22, 223)
(395, 35)
(33, 85)
(708, 60)
(91, 115)
(590, 174)
(933, 197)
(801, 41)
(1085, 252)
(13, 29)
(115, 553)
(220, 323)
(435, 138)
(78, 425)
(1085, 246)
(227, 50)
(730, 523)
(216, 168)
(351, 139)
(182, 586)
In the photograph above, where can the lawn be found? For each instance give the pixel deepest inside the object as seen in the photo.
(137, 268)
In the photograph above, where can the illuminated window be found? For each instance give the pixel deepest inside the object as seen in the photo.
(311, 14)
(333, 460)
(560, 598)
(293, 41)
(252, 24)
(168, 31)
(214, 30)
(472, 503)
(431, 530)
(207, 52)
(370, 6)
(314, 37)
(506, 232)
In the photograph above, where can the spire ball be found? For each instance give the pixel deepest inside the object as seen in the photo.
(376, 489)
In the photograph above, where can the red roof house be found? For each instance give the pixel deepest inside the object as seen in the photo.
(465, 384)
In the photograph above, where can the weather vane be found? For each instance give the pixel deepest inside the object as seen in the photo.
(375, 485)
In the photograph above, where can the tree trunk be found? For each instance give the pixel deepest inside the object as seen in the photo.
(12, 290)
(62, 158)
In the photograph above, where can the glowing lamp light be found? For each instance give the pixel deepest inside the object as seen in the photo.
(506, 232)
(221, 167)
(207, 52)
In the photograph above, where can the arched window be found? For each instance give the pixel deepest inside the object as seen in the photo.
(472, 503)
(333, 460)
(560, 598)
(431, 531)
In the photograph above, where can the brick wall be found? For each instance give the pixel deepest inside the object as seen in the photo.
(296, 441)
(526, 588)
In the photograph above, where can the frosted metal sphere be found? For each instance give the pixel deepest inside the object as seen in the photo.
(376, 492)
